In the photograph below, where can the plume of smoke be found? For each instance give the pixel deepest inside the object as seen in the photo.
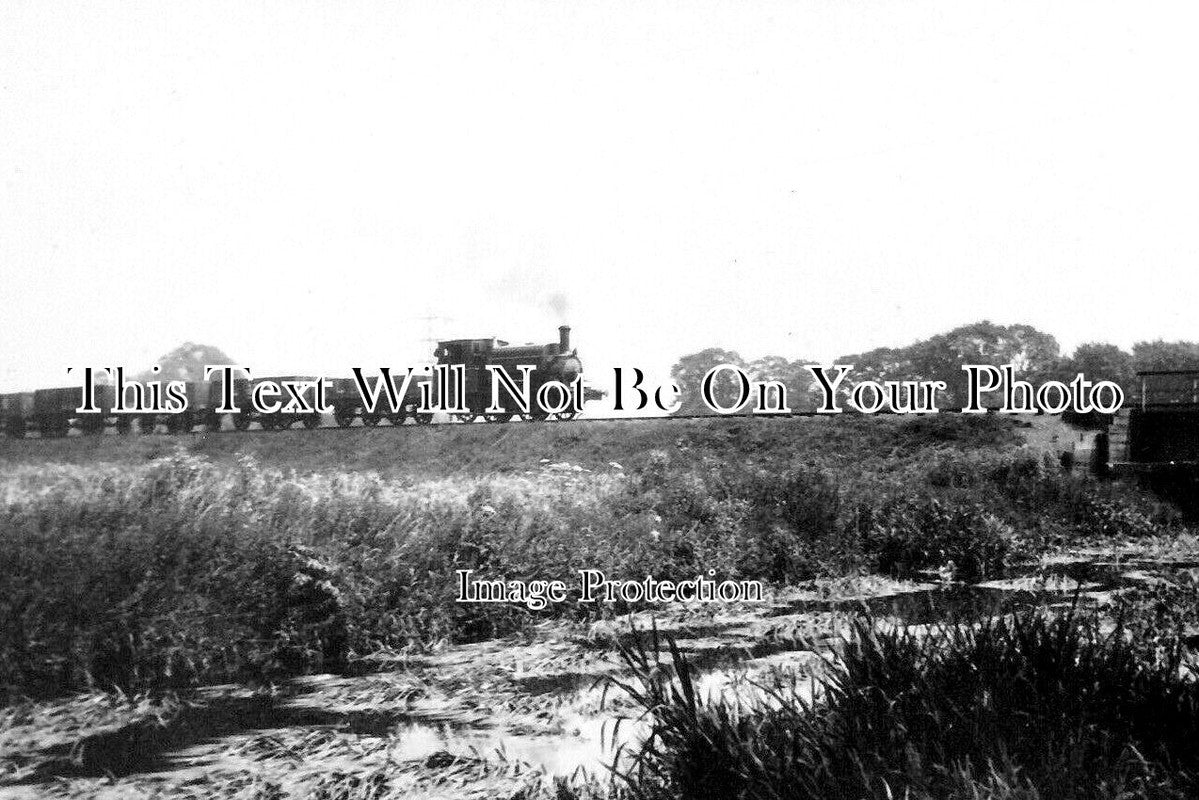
(534, 288)
(559, 304)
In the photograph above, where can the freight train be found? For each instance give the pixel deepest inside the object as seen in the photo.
(53, 412)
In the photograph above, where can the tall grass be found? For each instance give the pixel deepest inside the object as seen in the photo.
(1034, 707)
(185, 569)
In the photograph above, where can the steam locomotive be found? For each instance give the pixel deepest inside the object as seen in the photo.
(52, 412)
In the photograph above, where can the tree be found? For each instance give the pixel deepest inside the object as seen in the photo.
(1035, 354)
(689, 373)
(879, 364)
(1099, 361)
(792, 374)
(1165, 355)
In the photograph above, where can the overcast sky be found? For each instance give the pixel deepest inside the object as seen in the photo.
(302, 183)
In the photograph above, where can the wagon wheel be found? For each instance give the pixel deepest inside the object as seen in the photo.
(147, 424)
(371, 420)
(312, 421)
(467, 416)
(175, 424)
(344, 420)
(422, 418)
(15, 428)
(503, 416)
(241, 422)
(124, 424)
(214, 423)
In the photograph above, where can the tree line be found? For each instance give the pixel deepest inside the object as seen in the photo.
(1036, 354)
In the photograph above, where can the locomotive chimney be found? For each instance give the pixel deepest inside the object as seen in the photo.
(563, 338)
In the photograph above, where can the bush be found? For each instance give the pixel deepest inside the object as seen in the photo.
(1035, 707)
(910, 535)
(158, 579)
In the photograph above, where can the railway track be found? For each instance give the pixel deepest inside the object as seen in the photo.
(325, 428)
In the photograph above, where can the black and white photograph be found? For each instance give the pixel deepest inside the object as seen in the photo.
(574, 400)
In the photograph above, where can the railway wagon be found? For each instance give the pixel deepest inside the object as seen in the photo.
(1159, 430)
(345, 400)
(15, 408)
(203, 400)
(282, 419)
(555, 361)
(54, 412)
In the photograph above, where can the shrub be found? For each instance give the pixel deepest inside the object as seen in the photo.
(1037, 706)
(914, 534)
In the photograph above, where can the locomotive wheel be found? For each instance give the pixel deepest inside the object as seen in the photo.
(501, 417)
(422, 418)
(312, 421)
(241, 422)
(371, 420)
(344, 420)
(468, 416)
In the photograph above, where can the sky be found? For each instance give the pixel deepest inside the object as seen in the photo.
(311, 186)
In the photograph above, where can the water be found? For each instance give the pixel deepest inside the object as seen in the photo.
(564, 728)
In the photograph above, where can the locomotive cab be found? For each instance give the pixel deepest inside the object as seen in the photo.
(555, 361)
